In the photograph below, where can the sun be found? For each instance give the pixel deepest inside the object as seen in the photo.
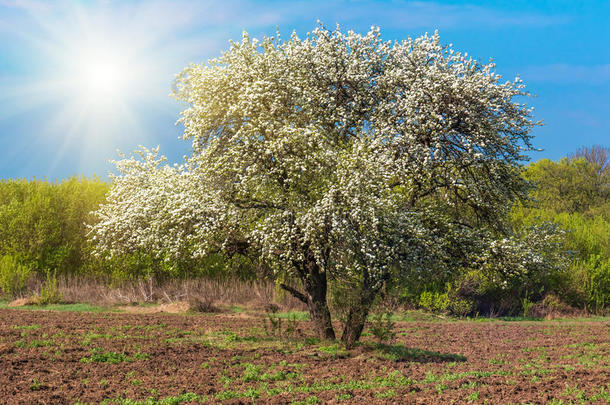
(100, 84)
(100, 75)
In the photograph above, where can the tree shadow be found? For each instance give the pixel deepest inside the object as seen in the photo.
(401, 353)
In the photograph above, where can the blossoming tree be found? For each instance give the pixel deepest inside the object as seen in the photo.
(334, 157)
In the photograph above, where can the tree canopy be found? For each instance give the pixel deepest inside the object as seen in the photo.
(337, 157)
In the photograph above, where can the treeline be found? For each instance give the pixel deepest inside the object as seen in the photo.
(570, 201)
(42, 224)
(44, 234)
(43, 230)
(575, 194)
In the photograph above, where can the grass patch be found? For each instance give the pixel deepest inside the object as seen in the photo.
(293, 315)
(61, 307)
(188, 397)
(386, 394)
(39, 343)
(335, 350)
(27, 327)
(98, 355)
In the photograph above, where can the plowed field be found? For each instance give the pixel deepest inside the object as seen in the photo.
(77, 357)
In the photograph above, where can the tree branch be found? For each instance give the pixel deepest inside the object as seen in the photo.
(295, 293)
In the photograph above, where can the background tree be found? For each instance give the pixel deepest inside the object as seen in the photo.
(574, 193)
(42, 223)
(596, 154)
(338, 157)
(571, 185)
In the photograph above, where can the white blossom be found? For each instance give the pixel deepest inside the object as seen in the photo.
(337, 146)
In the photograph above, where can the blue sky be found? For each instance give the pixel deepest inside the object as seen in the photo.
(79, 80)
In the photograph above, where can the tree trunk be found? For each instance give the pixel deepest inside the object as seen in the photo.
(315, 285)
(356, 318)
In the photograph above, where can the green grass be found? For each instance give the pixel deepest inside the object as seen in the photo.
(254, 373)
(537, 320)
(61, 307)
(98, 355)
(309, 400)
(293, 315)
(27, 327)
(386, 394)
(507, 319)
(185, 398)
(388, 381)
(39, 343)
(422, 316)
(36, 385)
(335, 350)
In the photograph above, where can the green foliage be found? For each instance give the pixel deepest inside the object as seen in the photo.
(49, 292)
(274, 325)
(575, 195)
(43, 228)
(98, 355)
(570, 186)
(13, 276)
(558, 246)
(527, 307)
(43, 223)
(462, 306)
(451, 300)
(382, 327)
(434, 301)
(591, 281)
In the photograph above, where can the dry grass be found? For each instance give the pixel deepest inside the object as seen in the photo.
(204, 295)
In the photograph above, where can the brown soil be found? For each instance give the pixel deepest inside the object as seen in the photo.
(64, 358)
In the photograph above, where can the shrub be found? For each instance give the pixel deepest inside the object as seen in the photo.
(13, 276)
(596, 282)
(43, 223)
(527, 307)
(460, 306)
(202, 304)
(49, 291)
(549, 307)
(434, 301)
(382, 327)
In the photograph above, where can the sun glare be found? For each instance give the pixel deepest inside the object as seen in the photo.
(98, 76)
(102, 75)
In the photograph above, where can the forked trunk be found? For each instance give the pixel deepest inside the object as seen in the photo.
(356, 319)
